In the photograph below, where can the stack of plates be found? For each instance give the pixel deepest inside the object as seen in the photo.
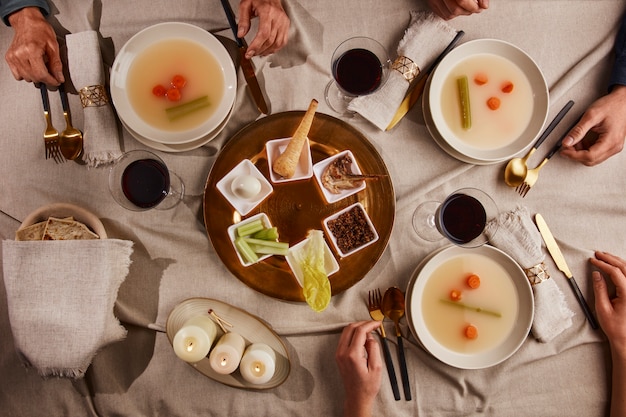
(433, 108)
(172, 141)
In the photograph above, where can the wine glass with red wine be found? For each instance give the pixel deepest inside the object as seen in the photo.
(139, 180)
(360, 66)
(461, 218)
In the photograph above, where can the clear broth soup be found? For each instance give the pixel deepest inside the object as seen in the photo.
(490, 129)
(446, 323)
(156, 65)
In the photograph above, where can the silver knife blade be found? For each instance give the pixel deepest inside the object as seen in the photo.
(552, 246)
(246, 65)
(559, 260)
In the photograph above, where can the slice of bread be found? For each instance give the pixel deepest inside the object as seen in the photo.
(62, 229)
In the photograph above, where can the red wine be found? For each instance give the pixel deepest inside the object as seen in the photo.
(145, 182)
(358, 71)
(462, 218)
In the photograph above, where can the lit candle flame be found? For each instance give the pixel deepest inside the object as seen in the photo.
(224, 361)
(258, 368)
(189, 344)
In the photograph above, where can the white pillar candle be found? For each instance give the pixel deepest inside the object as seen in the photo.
(258, 363)
(226, 354)
(194, 339)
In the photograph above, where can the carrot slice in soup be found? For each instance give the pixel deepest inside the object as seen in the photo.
(456, 295)
(507, 87)
(493, 103)
(173, 94)
(471, 332)
(178, 81)
(481, 79)
(159, 90)
(473, 281)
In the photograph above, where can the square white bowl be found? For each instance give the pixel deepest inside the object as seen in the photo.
(304, 169)
(333, 238)
(330, 263)
(244, 205)
(320, 167)
(232, 234)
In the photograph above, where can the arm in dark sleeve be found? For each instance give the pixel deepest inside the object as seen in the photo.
(618, 75)
(9, 6)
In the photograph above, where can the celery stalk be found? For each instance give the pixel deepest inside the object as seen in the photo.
(184, 109)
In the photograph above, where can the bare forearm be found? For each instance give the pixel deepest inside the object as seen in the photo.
(618, 391)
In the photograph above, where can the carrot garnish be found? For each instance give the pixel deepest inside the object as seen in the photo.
(178, 81)
(481, 79)
(507, 87)
(159, 90)
(173, 94)
(473, 281)
(493, 103)
(456, 295)
(471, 332)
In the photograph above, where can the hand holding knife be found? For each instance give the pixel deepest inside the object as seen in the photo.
(246, 64)
(559, 260)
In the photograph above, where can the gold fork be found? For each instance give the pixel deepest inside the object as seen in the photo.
(533, 174)
(374, 306)
(50, 135)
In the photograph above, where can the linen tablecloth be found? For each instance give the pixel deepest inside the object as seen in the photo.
(174, 260)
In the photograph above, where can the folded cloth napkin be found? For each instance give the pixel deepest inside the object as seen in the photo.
(60, 297)
(515, 233)
(425, 38)
(100, 135)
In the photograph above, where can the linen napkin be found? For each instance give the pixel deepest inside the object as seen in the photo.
(515, 233)
(100, 135)
(425, 38)
(60, 297)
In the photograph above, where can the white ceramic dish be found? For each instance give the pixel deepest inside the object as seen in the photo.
(333, 238)
(485, 358)
(304, 169)
(181, 147)
(540, 97)
(148, 37)
(330, 263)
(244, 205)
(318, 170)
(251, 328)
(232, 230)
(62, 210)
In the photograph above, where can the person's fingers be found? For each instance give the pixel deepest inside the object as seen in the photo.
(601, 294)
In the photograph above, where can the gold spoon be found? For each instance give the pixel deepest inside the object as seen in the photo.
(393, 309)
(71, 139)
(515, 171)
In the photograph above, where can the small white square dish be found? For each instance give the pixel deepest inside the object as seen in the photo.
(320, 168)
(244, 187)
(350, 230)
(304, 169)
(330, 263)
(232, 234)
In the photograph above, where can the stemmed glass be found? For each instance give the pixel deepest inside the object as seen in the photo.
(139, 180)
(360, 66)
(461, 218)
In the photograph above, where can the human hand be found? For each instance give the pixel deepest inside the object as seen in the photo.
(606, 117)
(360, 366)
(33, 55)
(449, 9)
(611, 312)
(273, 28)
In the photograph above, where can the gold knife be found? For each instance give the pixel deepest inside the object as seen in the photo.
(559, 259)
(415, 90)
(246, 65)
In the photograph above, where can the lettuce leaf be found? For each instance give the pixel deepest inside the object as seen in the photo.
(316, 286)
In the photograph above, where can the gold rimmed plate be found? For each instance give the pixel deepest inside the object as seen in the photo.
(250, 327)
(299, 206)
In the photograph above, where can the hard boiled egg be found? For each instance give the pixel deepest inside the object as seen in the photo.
(246, 186)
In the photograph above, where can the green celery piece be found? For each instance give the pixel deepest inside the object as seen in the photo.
(269, 233)
(473, 308)
(245, 250)
(250, 227)
(184, 109)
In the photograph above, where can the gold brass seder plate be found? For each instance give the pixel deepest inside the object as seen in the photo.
(298, 206)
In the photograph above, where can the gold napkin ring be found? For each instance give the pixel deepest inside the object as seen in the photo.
(93, 96)
(405, 66)
(537, 274)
